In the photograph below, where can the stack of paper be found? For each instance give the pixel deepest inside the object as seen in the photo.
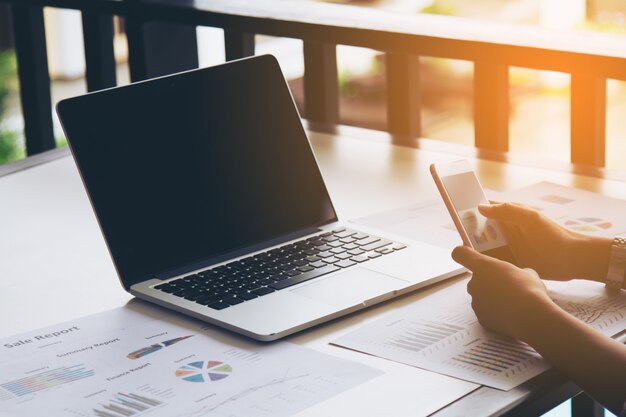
(440, 333)
(125, 363)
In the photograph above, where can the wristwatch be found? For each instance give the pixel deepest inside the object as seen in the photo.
(617, 264)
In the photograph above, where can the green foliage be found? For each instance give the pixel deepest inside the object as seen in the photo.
(9, 149)
(7, 71)
(440, 7)
(60, 141)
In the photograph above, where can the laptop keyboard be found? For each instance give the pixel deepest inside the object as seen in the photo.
(255, 276)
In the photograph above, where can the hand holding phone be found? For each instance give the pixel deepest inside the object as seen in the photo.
(462, 194)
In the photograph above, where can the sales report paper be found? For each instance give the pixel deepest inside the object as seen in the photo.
(441, 333)
(125, 363)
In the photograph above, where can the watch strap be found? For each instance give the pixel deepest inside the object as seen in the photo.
(617, 264)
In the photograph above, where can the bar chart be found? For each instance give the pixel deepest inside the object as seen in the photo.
(422, 334)
(496, 355)
(126, 405)
(47, 379)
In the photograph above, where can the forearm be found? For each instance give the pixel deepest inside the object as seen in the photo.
(590, 257)
(593, 361)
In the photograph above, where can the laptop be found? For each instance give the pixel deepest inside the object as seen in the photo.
(211, 203)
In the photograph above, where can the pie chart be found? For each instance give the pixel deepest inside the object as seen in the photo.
(587, 224)
(204, 371)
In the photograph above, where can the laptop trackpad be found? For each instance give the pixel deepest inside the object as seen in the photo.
(351, 287)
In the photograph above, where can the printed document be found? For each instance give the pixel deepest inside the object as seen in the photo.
(440, 333)
(578, 210)
(126, 363)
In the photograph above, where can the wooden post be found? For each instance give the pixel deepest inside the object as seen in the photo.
(156, 49)
(491, 106)
(403, 96)
(32, 66)
(238, 44)
(321, 86)
(588, 120)
(99, 53)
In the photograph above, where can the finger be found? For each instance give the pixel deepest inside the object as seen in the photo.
(470, 258)
(471, 286)
(532, 272)
(508, 213)
(512, 236)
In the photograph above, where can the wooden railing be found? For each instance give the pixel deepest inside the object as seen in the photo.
(590, 58)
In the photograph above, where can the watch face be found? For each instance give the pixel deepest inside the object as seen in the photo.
(617, 264)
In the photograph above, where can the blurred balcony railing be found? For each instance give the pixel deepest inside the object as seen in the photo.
(161, 39)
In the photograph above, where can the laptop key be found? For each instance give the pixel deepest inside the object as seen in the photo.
(196, 296)
(345, 263)
(367, 241)
(318, 264)
(376, 245)
(325, 254)
(312, 258)
(293, 272)
(356, 252)
(305, 277)
(218, 305)
(167, 288)
(345, 233)
(251, 286)
(398, 246)
(343, 256)
(265, 290)
(305, 268)
(233, 300)
(246, 296)
(331, 260)
(359, 236)
(384, 251)
(359, 258)
(373, 255)
(208, 299)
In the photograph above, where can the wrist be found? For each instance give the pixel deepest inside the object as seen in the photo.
(590, 256)
(541, 321)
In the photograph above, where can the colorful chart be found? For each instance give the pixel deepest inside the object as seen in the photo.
(491, 232)
(154, 348)
(125, 404)
(204, 371)
(587, 224)
(47, 379)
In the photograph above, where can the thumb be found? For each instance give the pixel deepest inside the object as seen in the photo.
(468, 257)
(507, 213)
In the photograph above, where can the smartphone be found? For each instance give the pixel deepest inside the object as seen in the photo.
(462, 193)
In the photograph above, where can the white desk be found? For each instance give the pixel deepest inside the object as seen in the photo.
(54, 265)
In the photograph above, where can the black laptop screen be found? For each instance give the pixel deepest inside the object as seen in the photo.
(185, 169)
